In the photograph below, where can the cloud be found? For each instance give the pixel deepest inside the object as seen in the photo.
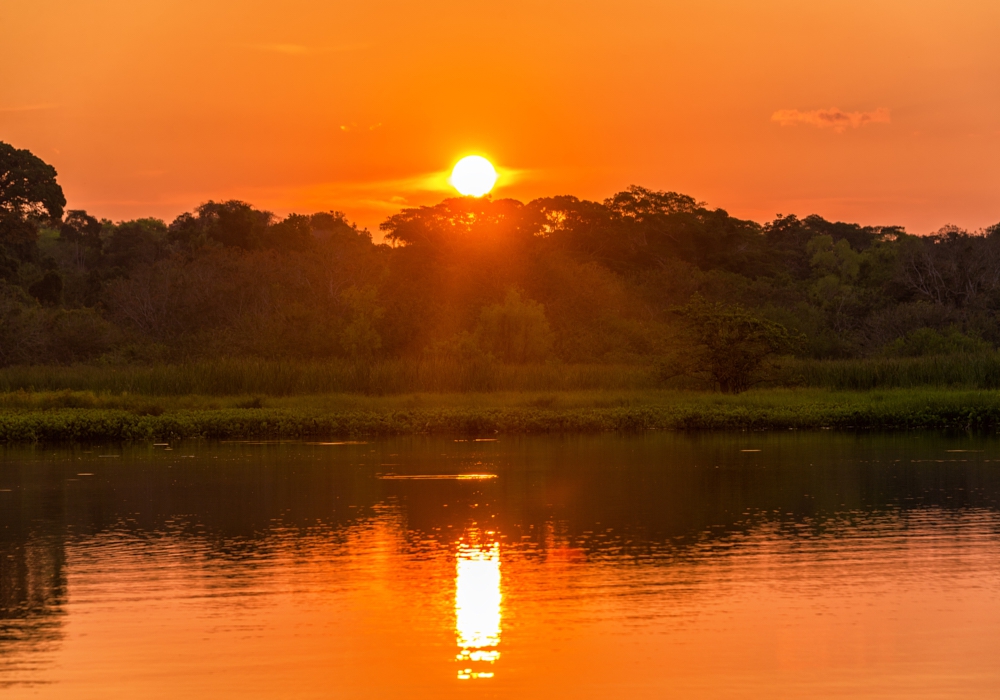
(833, 118)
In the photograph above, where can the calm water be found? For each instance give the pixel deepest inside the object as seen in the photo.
(734, 566)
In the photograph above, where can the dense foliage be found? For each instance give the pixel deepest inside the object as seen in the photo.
(478, 280)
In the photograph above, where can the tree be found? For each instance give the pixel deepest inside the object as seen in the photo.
(515, 330)
(333, 226)
(22, 327)
(293, 233)
(232, 224)
(461, 222)
(728, 344)
(48, 289)
(29, 196)
(952, 267)
(639, 203)
(82, 233)
(588, 229)
(359, 339)
(130, 244)
(658, 228)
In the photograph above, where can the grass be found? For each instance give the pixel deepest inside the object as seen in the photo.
(250, 377)
(47, 416)
(260, 399)
(239, 377)
(981, 371)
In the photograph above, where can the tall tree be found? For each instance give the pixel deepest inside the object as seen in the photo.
(82, 232)
(29, 196)
(232, 224)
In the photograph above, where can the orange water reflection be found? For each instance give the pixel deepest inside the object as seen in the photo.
(478, 599)
(297, 580)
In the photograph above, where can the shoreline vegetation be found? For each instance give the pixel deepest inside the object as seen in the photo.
(240, 376)
(481, 316)
(244, 399)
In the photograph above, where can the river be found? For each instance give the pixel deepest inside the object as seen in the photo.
(749, 565)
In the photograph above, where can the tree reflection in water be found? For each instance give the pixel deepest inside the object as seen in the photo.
(32, 597)
(477, 606)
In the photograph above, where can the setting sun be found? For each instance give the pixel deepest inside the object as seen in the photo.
(473, 176)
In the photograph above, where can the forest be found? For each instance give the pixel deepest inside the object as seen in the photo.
(644, 278)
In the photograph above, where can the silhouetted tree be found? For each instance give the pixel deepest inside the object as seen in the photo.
(135, 243)
(589, 230)
(82, 233)
(233, 224)
(596, 282)
(660, 227)
(462, 223)
(333, 227)
(29, 196)
(292, 233)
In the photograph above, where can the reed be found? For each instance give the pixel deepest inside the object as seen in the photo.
(980, 371)
(254, 377)
(237, 377)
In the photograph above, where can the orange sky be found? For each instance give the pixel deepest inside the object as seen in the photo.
(152, 107)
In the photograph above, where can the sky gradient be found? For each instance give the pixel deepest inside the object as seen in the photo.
(881, 112)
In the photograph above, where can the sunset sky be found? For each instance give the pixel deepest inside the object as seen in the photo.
(882, 112)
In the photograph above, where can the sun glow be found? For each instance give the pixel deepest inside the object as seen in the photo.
(473, 176)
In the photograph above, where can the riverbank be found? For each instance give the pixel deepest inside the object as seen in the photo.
(83, 416)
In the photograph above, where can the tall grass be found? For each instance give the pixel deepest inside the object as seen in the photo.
(238, 377)
(981, 371)
(248, 377)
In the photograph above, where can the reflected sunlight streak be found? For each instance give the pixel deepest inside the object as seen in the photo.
(477, 608)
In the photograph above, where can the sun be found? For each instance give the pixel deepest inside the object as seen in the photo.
(473, 176)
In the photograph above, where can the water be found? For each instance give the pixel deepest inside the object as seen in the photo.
(821, 565)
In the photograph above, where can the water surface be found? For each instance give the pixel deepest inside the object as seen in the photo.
(711, 566)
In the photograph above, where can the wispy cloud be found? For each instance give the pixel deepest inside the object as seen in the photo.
(836, 119)
(301, 49)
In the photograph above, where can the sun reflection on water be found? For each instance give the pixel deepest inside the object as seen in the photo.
(477, 608)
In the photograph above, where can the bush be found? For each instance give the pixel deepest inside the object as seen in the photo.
(22, 327)
(78, 335)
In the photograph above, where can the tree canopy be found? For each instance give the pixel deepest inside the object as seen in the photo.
(29, 196)
(644, 276)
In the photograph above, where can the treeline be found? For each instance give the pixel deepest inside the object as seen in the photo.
(492, 280)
